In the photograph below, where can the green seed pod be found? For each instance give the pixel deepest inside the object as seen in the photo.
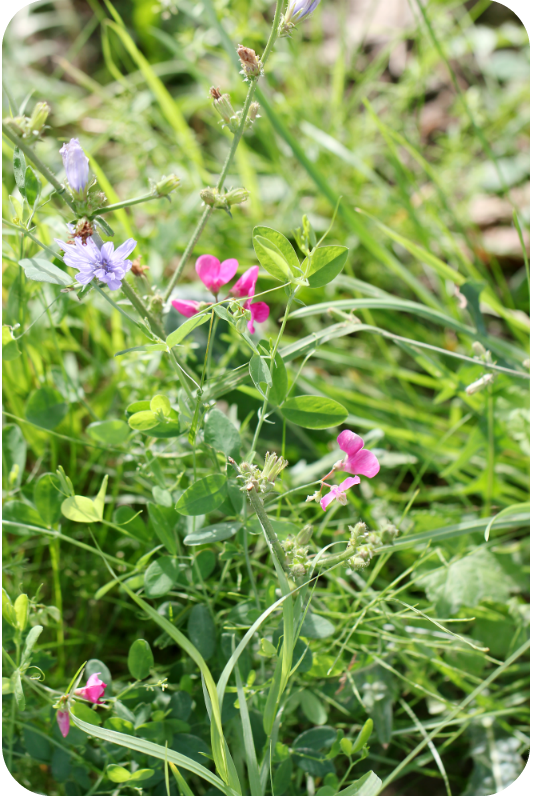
(364, 736)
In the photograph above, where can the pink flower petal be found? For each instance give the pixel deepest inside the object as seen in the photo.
(259, 311)
(350, 442)
(63, 721)
(228, 268)
(328, 498)
(245, 286)
(186, 307)
(363, 463)
(208, 268)
(348, 483)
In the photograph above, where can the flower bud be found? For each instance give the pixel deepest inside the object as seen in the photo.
(478, 349)
(304, 536)
(253, 114)
(222, 104)
(389, 533)
(251, 64)
(166, 185)
(236, 196)
(39, 116)
(481, 384)
(76, 166)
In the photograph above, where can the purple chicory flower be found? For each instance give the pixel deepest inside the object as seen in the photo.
(76, 166)
(93, 689)
(105, 264)
(338, 492)
(63, 721)
(299, 9)
(187, 307)
(213, 274)
(357, 461)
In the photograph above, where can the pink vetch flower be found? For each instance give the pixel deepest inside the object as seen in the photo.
(63, 722)
(338, 492)
(213, 274)
(93, 689)
(245, 286)
(357, 461)
(259, 312)
(187, 307)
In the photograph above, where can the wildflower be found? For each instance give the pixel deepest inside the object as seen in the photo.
(245, 286)
(166, 185)
(93, 689)
(297, 10)
(187, 307)
(213, 274)
(338, 492)
(259, 312)
(63, 722)
(105, 264)
(357, 461)
(76, 166)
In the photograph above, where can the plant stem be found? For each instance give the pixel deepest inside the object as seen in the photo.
(43, 169)
(270, 533)
(332, 561)
(490, 452)
(126, 203)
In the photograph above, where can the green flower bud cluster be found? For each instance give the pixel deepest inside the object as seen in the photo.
(217, 199)
(486, 357)
(297, 561)
(252, 66)
(262, 480)
(366, 542)
(30, 128)
(166, 185)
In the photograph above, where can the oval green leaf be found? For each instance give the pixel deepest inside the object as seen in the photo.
(202, 631)
(160, 576)
(48, 498)
(203, 496)
(80, 509)
(213, 533)
(140, 659)
(221, 433)
(325, 264)
(46, 408)
(39, 269)
(310, 411)
(111, 431)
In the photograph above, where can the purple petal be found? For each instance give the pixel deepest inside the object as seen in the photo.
(350, 442)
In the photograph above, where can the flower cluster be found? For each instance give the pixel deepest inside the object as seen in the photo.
(357, 461)
(214, 275)
(30, 128)
(297, 561)
(262, 480)
(92, 691)
(367, 542)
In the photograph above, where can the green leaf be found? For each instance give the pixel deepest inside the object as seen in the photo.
(213, 533)
(162, 497)
(19, 170)
(80, 509)
(313, 708)
(143, 421)
(141, 775)
(282, 244)
(31, 640)
(86, 713)
(117, 774)
(466, 582)
(310, 411)
(126, 517)
(39, 269)
(160, 404)
(13, 455)
(46, 408)
(282, 777)
(33, 187)
(21, 606)
(325, 264)
(368, 785)
(18, 691)
(163, 521)
(364, 735)
(8, 610)
(260, 374)
(47, 498)
(280, 382)
(316, 627)
(111, 431)
(187, 327)
(313, 762)
(202, 631)
(272, 259)
(17, 511)
(145, 348)
(222, 434)
(140, 659)
(10, 348)
(37, 745)
(203, 496)
(160, 576)
(191, 746)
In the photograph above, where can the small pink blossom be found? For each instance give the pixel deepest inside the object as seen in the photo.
(187, 307)
(338, 492)
(213, 274)
(93, 689)
(63, 721)
(245, 286)
(357, 461)
(259, 312)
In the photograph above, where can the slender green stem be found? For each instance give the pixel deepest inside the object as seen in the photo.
(490, 452)
(43, 169)
(188, 250)
(273, 33)
(333, 561)
(126, 203)
(270, 533)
